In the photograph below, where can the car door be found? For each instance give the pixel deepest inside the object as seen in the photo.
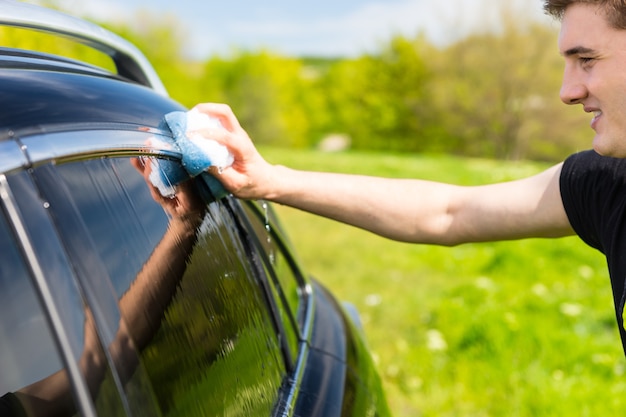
(46, 331)
(180, 305)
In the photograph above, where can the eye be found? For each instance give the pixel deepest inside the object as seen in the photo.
(585, 61)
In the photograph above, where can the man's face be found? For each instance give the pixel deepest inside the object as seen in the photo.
(595, 74)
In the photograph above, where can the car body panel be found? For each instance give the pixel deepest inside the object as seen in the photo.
(55, 100)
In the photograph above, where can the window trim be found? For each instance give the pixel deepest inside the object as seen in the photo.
(286, 405)
(105, 141)
(258, 258)
(11, 157)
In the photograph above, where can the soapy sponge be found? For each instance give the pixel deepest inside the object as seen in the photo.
(198, 153)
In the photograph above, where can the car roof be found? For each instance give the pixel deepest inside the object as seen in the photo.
(43, 93)
(50, 102)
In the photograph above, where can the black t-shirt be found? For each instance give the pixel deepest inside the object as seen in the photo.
(593, 189)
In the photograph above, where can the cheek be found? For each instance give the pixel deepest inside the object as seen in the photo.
(618, 107)
(610, 93)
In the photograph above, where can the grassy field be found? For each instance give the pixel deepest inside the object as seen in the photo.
(521, 328)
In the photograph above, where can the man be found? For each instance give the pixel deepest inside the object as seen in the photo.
(585, 195)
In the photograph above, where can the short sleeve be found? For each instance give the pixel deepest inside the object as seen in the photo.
(593, 190)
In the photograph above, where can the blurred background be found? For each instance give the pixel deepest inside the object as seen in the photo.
(461, 91)
(468, 77)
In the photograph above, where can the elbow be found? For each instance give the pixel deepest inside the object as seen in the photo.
(443, 231)
(430, 238)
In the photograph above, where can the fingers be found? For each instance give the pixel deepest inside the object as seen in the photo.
(232, 135)
(144, 167)
(245, 177)
(237, 142)
(223, 112)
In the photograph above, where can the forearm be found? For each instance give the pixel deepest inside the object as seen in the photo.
(419, 211)
(400, 209)
(143, 305)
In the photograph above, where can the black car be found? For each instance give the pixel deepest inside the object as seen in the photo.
(117, 300)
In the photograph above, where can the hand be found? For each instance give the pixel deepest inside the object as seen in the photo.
(250, 176)
(185, 203)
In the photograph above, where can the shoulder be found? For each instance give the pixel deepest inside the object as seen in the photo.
(589, 163)
(593, 191)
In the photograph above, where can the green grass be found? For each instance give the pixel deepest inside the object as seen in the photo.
(522, 328)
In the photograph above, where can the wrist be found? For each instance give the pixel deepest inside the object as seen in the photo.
(186, 224)
(277, 183)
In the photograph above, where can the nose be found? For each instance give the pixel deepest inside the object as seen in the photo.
(573, 90)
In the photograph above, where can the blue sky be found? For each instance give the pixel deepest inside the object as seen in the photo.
(321, 27)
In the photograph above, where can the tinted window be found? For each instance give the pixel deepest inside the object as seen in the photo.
(279, 265)
(30, 353)
(27, 351)
(187, 294)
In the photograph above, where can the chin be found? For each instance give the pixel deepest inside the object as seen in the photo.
(609, 148)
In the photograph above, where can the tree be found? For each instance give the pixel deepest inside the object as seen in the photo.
(161, 40)
(266, 92)
(499, 92)
(380, 100)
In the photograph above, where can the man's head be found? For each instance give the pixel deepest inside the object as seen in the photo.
(594, 49)
(615, 10)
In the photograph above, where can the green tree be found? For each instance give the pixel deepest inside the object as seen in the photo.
(497, 93)
(492, 94)
(38, 41)
(266, 92)
(380, 100)
(162, 40)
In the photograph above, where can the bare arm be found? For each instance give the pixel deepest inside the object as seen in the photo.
(401, 209)
(429, 212)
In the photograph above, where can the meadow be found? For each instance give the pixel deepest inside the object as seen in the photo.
(519, 328)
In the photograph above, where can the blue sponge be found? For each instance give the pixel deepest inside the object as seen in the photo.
(198, 153)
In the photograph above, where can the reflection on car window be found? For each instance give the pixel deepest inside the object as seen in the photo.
(279, 262)
(187, 295)
(283, 277)
(27, 351)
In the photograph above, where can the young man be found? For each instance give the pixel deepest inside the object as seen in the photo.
(586, 194)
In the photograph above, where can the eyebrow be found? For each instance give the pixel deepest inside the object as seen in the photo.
(578, 50)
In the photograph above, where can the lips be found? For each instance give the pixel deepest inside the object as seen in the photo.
(597, 114)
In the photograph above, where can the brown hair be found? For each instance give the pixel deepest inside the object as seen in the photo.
(614, 10)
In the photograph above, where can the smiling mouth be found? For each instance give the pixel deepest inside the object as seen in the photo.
(596, 115)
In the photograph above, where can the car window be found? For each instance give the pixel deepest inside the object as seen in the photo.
(35, 355)
(278, 263)
(186, 291)
(27, 350)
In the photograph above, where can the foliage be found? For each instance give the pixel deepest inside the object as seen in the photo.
(160, 38)
(43, 42)
(522, 328)
(267, 93)
(499, 94)
(491, 94)
(380, 100)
